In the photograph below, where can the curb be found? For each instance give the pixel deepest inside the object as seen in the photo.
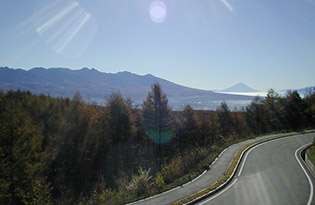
(222, 186)
(242, 153)
(180, 186)
(308, 162)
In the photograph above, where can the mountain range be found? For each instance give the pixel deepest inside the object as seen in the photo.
(240, 87)
(302, 91)
(96, 86)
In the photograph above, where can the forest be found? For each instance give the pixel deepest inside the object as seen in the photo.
(66, 151)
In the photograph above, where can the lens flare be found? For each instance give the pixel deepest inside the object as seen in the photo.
(157, 11)
(228, 5)
(160, 137)
(65, 26)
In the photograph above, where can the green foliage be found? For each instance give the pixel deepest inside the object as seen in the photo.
(311, 153)
(294, 108)
(255, 116)
(159, 181)
(225, 120)
(39, 194)
(121, 131)
(19, 149)
(64, 151)
(157, 122)
(173, 170)
(140, 183)
(110, 197)
(310, 109)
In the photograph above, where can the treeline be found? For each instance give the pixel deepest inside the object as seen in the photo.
(64, 151)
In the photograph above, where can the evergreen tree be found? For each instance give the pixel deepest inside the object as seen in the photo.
(157, 121)
(121, 132)
(294, 111)
(310, 109)
(273, 110)
(20, 151)
(225, 120)
(255, 116)
(189, 136)
(71, 162)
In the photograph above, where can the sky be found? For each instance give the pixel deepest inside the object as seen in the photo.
(205, 44)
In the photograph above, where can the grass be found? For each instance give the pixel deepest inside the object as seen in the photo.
(311, 153)
(193, 173)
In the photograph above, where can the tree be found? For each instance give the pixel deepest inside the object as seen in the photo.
(225, 120)
(69, 171)
(273, 110)
(157, 120)
(20, 151)
(121, 132)
(189, 128)
(294, 111)
(255, 116)
(310, 109)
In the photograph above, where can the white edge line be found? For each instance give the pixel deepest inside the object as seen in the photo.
(244, 160)
(180, 186)
(254, 147)
(233, 173)
(142, 200)
(305, 172)
(215, 196)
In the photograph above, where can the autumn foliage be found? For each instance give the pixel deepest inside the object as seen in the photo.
(65, 151)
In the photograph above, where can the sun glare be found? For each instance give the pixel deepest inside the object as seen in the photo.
(65, 25)
(228, 5)
(157, 11)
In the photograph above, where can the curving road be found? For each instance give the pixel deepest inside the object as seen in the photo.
(270, 174)
(203, 181)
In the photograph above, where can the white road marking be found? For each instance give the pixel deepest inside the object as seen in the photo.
(215, 196)
(308, 177)
(243, 163)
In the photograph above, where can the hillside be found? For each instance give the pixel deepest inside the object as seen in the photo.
(95, 85)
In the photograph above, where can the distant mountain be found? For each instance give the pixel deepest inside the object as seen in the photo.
(239, 88)
(96, 86)
(302, 91)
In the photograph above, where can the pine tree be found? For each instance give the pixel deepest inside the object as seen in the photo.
(121, 131)
(189, 128)
(20, 150)
(256, 115)
(272, 107)
(225, 120)
(157, 121)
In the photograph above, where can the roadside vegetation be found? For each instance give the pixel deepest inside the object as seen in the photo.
(311, 152)
(64, 151)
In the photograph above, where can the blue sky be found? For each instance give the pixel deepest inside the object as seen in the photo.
(206, 44)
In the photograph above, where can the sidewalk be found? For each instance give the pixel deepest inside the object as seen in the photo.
(205, 180)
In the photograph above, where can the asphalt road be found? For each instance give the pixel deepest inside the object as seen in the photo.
(271, 174)
(208, 178)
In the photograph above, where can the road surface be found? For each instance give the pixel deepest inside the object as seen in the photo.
(270, 174)
(208, 178)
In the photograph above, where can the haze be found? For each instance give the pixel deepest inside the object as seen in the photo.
(206, 44)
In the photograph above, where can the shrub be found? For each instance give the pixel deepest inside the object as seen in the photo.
(173, 170)
(159, 181)
(140, 183)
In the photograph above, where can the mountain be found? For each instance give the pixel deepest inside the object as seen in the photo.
(96, 86)
(239, 88)
(302, 91)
